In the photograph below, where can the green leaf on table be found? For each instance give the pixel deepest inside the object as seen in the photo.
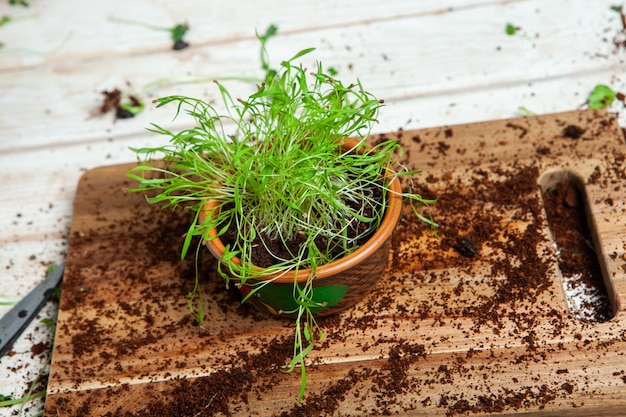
(511, 29)
(51, 268)
(525, 111)
(176, 33)
(4, 20)
(47, 321)
(179, 31)
(134, 107)
(601, 97)
(18, 3)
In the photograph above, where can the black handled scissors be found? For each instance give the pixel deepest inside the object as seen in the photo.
(15, 321)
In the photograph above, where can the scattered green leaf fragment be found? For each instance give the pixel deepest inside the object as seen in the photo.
(134, 107)
(4, 20)
(616, 8)
(525, 111)
(511, 29)
(22, 400)
(56, 293)
(177, 32)
(31, 394)
(332, 71)
(5, 397)
(18, 3)
(601, 97)
(51, 268)
(48, 322)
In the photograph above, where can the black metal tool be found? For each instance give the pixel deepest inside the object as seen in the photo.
(15, 321)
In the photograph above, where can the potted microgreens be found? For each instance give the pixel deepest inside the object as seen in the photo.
(286, 193)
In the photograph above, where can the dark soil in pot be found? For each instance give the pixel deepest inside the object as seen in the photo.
(266, 250)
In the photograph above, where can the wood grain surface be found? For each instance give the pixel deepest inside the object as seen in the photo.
(434, 63)
(126, 340)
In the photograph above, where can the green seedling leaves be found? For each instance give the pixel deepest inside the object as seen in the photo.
(265, 61)
(195, 296)
(601, 97)
(269, 32)
(306, 175)
(301, 53)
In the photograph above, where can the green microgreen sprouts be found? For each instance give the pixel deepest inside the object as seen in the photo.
(276, 166)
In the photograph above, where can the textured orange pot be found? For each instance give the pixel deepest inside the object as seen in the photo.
(339, 284)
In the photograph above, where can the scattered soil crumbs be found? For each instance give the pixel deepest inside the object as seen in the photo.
(470, 322)
(113, 102)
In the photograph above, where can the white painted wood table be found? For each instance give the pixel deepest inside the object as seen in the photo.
(434, 62)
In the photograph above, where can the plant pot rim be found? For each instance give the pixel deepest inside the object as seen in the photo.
(390, 218)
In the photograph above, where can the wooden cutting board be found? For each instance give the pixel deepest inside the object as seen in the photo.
(444, 333)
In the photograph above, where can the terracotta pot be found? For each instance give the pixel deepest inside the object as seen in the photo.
(339, 284)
